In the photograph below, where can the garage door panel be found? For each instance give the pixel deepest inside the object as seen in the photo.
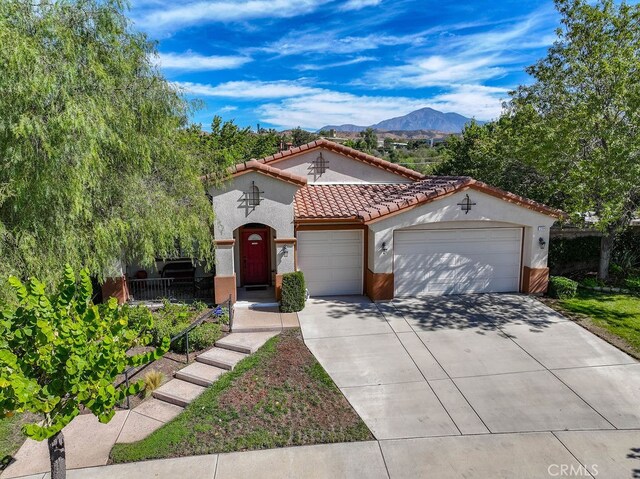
(331, 261)
(456, 261)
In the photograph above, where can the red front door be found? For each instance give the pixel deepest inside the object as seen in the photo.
(255, 257)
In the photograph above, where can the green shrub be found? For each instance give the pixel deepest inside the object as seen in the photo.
(171, 319)
(591, 282)
(294, 292)
(562, 288)
(633, 283)
(201, 337)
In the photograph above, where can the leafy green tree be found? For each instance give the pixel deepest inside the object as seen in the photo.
(491, 153)
(302, 137)
(582, 128)
(59, 353)
(228, 144)
(369, 138)
(94, 167)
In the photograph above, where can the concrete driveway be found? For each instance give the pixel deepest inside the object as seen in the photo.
(478, 365)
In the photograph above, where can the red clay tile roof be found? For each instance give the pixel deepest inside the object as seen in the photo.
(346, 151)
(370, 202)
(254, 165)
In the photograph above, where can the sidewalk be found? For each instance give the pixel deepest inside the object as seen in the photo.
(607, 454)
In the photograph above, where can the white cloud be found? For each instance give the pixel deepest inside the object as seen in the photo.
(330, 107)
(476, 57)
(293, 103)
(327, 42)
(325, 66)
(227, 108)
(435, 70)
(190, 61)
(358, 4)
(250, 90)
(174, 16)
(481, 102)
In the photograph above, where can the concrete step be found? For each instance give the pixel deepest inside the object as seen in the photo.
(200, 373)
(221, 358)
(247, 343)
(178, 392)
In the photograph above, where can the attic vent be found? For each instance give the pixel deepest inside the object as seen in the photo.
(320, 165)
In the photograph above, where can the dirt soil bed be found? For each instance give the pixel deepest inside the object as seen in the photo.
(280, 396)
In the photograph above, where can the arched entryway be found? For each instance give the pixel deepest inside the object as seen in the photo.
(255, 255)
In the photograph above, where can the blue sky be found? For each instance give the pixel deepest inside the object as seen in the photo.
(308, 63)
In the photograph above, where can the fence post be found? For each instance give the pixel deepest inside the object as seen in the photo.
(126, 381)
(230, 310)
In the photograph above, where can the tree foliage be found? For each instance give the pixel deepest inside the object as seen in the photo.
(60, 352)
(491, 153)
(228, 144)
(583, 112)
(94, 169)
(300, 137)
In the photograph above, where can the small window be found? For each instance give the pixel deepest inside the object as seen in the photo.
(255, 237)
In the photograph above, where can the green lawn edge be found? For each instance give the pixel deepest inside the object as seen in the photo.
(617, 313)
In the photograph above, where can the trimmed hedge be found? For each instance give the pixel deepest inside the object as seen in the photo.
(294, 292)
(562, 288)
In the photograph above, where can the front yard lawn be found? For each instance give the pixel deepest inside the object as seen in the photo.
(279, 396)
(617, 314)
(11, 436)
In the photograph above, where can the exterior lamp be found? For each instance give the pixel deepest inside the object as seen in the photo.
(285, 251)
(542, 242)
(384, 247)
(466, 204)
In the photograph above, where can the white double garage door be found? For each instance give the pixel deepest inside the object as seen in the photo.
(426, 262)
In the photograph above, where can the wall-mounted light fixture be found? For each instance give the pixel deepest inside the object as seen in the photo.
(542, 242)
(466, 204)
(384, 247)
(285, 251)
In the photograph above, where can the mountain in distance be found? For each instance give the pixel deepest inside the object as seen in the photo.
(422, 119)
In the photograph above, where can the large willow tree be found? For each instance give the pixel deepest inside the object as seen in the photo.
(92, 168)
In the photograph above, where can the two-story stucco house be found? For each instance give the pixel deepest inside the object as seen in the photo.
(356, 224)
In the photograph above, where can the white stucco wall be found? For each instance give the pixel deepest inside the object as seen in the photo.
(275, 210)
(446, 213)
(340, 169)
(232, 212)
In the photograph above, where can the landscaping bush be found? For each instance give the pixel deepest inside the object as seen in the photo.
(173, 318)
(203, 336)
(633, 284)
(294, 292)
(572, 254)
(562, 288)
(591, 282)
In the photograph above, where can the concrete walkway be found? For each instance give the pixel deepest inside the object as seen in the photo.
(89, 443)
(593, 454)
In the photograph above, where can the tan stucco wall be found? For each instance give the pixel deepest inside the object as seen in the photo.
(341, 169)
(445, 213)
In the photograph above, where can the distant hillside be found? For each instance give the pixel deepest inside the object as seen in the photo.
(423, 119)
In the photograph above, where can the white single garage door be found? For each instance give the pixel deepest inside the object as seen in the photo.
(331, 261)
(457, 261)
